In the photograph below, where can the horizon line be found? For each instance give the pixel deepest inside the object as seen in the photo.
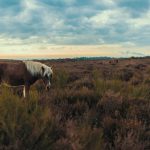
(88, 57)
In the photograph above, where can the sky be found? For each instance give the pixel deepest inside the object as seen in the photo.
(74, 28)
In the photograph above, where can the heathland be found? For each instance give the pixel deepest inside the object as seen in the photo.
(92, 105)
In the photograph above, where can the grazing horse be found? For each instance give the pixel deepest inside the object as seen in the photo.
(25, 74)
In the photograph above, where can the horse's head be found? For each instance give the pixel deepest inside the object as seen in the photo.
(47, 74)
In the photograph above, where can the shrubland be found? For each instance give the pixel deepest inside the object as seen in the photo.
(92, 105)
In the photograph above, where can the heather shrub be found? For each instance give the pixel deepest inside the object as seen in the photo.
(72, 96)
(91, 138)
(110, 127)
(137, 78)
(60, 79)
(83, 82)
(101, 86)
(104, 73)
(139, 92)
(147, 81)
(142, 112)
(25, 124)
(39, 87)
(124, 74)
(134, 125)
(140, 66)
(129, 141)
(111, 104)
(73, 77)
(83, 136)
(73, 103)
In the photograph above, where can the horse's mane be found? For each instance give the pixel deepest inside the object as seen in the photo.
(34, 67)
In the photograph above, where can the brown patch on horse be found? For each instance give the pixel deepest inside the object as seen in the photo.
(15, 74)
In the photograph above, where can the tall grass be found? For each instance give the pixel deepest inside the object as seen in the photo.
(101, 85)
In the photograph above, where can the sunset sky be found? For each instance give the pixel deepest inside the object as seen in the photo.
(74, 28)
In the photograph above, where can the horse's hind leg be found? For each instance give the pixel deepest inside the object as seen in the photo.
(26, 91)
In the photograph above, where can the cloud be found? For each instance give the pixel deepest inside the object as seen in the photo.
(140, 22)
(74, 22)
(135, 5)
(108, 17)
(130, 53)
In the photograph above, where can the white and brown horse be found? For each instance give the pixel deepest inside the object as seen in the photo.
(25, 74)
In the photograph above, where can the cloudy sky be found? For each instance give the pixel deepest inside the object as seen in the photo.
(70, 28)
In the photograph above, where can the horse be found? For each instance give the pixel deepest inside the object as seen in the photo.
(25, 73)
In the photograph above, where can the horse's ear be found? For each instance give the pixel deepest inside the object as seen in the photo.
(42, 70)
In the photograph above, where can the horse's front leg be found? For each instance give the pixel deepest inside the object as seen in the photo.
(0, 84)
(26, 91)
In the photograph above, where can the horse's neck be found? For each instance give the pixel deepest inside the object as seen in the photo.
(33, 68)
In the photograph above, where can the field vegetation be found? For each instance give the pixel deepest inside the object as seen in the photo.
(92, 105)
